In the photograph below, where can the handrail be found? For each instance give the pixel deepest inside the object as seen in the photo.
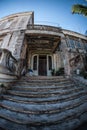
(9, 61)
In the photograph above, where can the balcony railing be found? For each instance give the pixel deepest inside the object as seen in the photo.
(44, 28)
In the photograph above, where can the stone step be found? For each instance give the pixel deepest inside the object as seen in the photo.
(44, 80)
(42, 83)
(45, 100)
(47, 91)
(44, 88)
(43, 94)
(44, 119)
(42, 108)
(43, 103)
(43, 77)
(8, 125)
(66, 125)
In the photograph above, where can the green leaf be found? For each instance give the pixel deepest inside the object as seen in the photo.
(79, 9)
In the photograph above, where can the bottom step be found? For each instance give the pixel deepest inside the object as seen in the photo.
(70, 125)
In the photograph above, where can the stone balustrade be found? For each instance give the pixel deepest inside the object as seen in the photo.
(44, 28)
(10, 68)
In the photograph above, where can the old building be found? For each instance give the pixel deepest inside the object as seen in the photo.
(42, 101)
(39, 48)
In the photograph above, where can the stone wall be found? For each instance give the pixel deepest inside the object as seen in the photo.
(73, 53)
(13, 28)
(12, 45)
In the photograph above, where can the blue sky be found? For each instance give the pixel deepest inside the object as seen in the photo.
(49, 12)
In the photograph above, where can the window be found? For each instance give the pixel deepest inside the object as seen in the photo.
(85, 46)
(50, 62)
(84, 42)
(78, 44)
(67, 42)
(71, 42)
(35, 63)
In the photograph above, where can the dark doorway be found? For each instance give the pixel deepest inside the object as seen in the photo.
(42, 65)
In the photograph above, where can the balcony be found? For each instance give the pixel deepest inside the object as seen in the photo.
(44, 28)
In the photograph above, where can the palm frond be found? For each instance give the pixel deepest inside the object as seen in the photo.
(79, 9)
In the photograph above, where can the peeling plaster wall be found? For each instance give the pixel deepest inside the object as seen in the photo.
(57, 60)
(12, 37)
(74, 57)
(13, 28)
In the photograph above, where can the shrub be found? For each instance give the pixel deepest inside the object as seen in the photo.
(53, 72)
(60, 72)
(2, 85)
(83, 74)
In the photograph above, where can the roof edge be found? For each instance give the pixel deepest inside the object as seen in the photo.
(16, 15)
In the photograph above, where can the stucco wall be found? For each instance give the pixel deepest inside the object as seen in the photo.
(12, 32)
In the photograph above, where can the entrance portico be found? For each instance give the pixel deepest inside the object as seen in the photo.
(41, 51)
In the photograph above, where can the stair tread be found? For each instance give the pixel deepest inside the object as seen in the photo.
(42, 107)
(46, 99)
(46, 93)
(7, 125)
(47, 90)
(43, 119)
(43, 87)
(44, 82)
(45, 103)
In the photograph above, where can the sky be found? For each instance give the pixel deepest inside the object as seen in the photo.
(48, 12)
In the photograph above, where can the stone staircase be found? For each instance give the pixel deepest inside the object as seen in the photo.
(43, 103)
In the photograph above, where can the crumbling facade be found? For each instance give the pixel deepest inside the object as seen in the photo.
(39, 48)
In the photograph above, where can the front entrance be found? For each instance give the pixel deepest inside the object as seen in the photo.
(42, 64)
(42, 68)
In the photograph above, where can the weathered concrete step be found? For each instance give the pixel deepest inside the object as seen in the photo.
(46, 100)
(44, 80)
(43, 77)
(44, 88)
(8, 125)
(43, 108)
(43, 94)
(66, 125)
(48, 91)
(42, 83)
(46, 119)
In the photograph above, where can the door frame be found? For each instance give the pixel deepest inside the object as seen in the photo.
(36, 72)
(42, 61)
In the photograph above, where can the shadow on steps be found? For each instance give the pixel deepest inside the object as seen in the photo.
(2, 128)
(82, 127)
